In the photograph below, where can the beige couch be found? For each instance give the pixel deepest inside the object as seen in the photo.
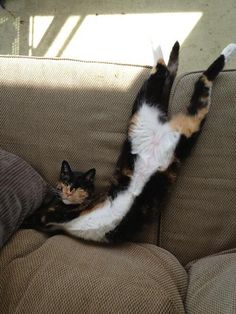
(184, 262)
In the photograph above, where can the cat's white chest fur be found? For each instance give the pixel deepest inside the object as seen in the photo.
(154, 143)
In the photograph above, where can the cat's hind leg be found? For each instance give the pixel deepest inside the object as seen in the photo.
(169, 73)
(189, 123)
(172, 67)
(152, 89)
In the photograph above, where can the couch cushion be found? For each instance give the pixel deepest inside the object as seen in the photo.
(62, 275)
(200, 218)
(212, 285)
(22, 191)
(66, 109)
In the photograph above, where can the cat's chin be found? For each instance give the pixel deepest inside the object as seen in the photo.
(67, 202)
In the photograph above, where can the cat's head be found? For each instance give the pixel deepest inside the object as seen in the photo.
(75, 187)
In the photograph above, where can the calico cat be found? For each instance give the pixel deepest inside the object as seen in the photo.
(154, 147)
(74, 190)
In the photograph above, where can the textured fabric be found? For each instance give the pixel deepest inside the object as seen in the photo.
(200, 217)
(55, 109)
(212, 285)
(62, 275)
(22, 191)
(66, 109)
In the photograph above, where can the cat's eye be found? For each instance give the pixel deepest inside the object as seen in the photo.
(72, 189)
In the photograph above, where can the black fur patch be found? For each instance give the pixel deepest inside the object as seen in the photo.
(200, 91)
(145, 206)
(215, 68)
(2, 4)
(125, 161)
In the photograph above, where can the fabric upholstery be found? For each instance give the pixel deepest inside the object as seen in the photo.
(67, 109)
(22, 191)
(212, 285)
(63, 275)
(200, 217)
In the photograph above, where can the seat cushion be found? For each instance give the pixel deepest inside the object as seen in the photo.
(200, 217)
(63, 275)
(212, 285)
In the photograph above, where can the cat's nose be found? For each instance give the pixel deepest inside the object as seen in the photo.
(68, 193)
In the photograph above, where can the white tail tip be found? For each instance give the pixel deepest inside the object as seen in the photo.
(157, 54)
(228, 51)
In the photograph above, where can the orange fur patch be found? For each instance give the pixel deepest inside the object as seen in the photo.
(206, 82)
(186, 124)
(154, 69)
(75, 196)
(79, 196)
(161, 61)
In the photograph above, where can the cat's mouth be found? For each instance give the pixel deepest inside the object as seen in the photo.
(67, 202)
(77, 198)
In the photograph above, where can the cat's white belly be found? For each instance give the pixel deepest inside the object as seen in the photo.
(154, 143)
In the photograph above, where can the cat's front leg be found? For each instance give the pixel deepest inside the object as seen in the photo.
(54, 216)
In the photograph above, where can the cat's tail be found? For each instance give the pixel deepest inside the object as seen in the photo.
(202, 91)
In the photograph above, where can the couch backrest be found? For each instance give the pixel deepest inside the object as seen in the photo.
(58, 109)
(200, 218)
(64, 109)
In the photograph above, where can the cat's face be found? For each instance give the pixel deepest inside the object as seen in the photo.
(74, 187)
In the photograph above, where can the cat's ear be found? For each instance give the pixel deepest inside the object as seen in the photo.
(89, 175)
(66, 172)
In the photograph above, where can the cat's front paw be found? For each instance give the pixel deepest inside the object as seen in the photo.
(47, 218)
